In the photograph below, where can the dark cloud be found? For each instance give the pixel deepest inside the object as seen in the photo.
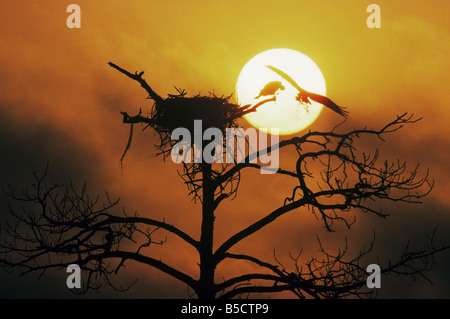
(27, 147)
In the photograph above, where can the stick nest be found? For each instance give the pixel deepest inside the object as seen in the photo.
(180, 111)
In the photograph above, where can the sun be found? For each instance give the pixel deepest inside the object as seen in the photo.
(285, 113)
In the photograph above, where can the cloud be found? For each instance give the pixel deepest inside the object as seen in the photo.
(60, 102)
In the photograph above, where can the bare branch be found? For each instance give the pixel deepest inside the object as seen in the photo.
(138, 77)
(220, 252)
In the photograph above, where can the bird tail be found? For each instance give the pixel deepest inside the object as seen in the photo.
(343, 111)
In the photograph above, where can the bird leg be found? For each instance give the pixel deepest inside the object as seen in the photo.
(303, 98)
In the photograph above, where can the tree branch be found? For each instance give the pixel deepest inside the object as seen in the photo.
(170, 228)
(138, 77)
(233, 240)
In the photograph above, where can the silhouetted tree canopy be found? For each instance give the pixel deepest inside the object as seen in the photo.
(63, 225)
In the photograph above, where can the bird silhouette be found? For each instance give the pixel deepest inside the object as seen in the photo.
(304, 96)
(109, 237)
(270, 89)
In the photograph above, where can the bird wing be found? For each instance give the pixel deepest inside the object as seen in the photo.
(286, 77)
(316, 97)
(328, 103)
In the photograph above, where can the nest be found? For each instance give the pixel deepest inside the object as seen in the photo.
(180, 111)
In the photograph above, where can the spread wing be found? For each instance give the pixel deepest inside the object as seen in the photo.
(328, 103)
(315, 97)
(286, 77)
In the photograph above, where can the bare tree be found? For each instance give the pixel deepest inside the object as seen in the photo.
(333, 180)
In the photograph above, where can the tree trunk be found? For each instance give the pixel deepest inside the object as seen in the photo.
(207, 264)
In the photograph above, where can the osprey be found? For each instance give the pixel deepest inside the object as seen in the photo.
(270, 89)
(304, 96)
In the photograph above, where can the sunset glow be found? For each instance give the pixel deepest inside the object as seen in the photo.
(61, 104)
(285, 113)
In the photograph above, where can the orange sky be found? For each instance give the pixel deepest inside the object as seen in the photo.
(60, 101)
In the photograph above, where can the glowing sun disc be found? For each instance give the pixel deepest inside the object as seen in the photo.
(285, 113)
